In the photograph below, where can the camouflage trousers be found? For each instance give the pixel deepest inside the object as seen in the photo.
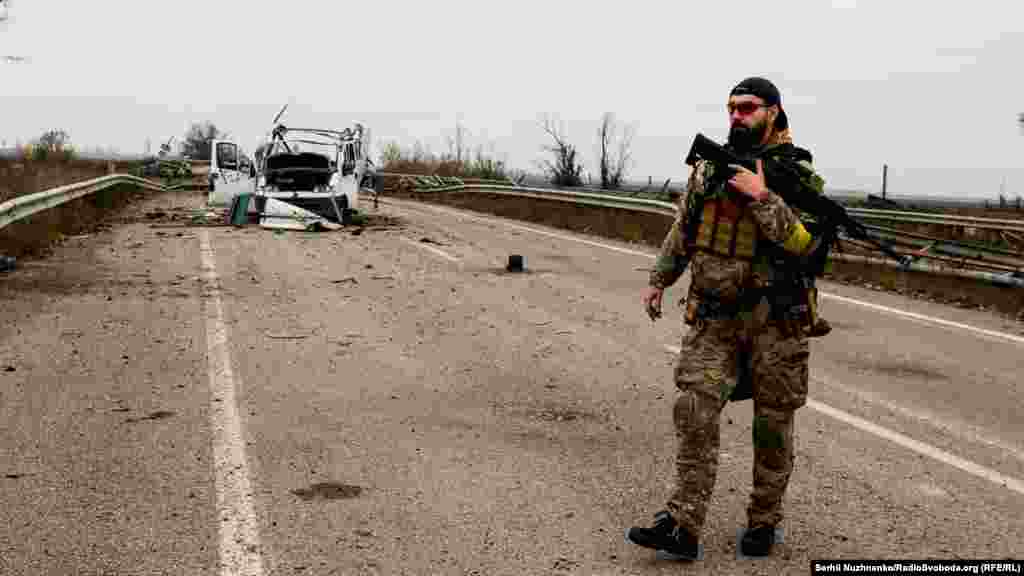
(715, 356)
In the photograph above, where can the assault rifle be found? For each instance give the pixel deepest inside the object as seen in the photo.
(785, 179)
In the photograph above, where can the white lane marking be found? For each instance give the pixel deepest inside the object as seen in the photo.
(920, 447)
(877, 307)
(948, 424)
(240, 552)
(927, 319)
(910, 444)
(439, 252)
(534, 230)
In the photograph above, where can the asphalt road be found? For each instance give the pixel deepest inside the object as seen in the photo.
(239, 401)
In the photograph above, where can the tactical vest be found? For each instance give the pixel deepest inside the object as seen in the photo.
(727, 228)
(720, 225)
(721, 222)
(724, 224)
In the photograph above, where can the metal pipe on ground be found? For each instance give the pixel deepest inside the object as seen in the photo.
(889, 233)
(991, 278)
(923, 253)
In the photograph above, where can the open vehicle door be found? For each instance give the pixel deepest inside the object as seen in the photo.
(230, 173)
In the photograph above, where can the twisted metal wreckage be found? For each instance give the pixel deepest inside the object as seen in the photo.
(301, 179)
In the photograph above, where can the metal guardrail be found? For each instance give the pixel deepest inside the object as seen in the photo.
(602, 200)
(24, 206)
(901, 216)
(952, 218)
(668, 208)
(1016, 226)
(1010, 276)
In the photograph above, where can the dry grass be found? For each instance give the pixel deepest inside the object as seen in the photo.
(35, 236)
(422, 162)
(26, 176)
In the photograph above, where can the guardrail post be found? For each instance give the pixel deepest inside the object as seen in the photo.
(885, 178)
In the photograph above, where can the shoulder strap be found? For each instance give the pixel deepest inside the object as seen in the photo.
(694, 206)
(790, 152)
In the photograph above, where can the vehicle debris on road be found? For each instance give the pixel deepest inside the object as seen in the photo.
(305, 179)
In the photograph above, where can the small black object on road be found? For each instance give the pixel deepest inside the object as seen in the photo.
(515, 263)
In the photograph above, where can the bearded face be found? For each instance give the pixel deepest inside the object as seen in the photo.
(744, 137)
(750, 121)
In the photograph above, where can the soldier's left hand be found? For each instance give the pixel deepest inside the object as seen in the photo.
(749, 183)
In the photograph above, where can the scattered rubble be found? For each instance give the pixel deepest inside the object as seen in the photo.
(328, 491)
(285, 336)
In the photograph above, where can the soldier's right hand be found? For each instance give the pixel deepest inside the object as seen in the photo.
(652, 302)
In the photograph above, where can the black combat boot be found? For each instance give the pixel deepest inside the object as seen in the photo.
(758, 541)
(666, 536)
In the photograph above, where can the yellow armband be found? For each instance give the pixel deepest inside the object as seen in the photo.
(799, 239)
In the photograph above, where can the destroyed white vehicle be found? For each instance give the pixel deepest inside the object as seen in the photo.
(301, 178)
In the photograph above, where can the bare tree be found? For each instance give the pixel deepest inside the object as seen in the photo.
(53, 140)
(457, 145)
(565, 170)
(614, 154)
(517, 175)
(50, 144)
(198, 138)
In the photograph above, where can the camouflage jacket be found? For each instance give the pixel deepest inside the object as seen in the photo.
(729, 278)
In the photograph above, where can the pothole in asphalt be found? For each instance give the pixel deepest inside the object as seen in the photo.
(371, 220)
(158, 415)
(328, 491)
(838, 325)
(902, 368)
(932, 490)
(557, 414)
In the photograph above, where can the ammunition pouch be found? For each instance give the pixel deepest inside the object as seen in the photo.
(794, 309)
(709, 306)
(705, 308)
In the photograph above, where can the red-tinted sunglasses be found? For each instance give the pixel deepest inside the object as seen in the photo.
(745, 108)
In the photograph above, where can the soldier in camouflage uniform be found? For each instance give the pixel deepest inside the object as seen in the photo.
(740, 343)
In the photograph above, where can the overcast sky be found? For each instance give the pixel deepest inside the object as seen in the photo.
(932, 88)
